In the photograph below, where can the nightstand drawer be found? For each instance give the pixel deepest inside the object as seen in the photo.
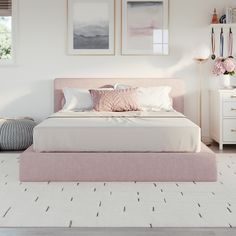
(231, 97)
(229, 109)
(229, 130)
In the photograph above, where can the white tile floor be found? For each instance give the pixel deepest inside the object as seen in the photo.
(117, 204)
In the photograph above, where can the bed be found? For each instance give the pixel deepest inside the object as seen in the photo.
(135, 146)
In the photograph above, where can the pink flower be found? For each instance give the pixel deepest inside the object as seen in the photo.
(229, 65)
(219, 68)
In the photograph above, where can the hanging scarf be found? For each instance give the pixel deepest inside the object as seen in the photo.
(230, 43)
(222, 43)
(213, 44)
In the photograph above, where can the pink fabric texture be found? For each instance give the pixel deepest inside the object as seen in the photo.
(36, 167)
(115, 100)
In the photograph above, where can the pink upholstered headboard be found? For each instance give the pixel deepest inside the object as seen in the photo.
(178, 87)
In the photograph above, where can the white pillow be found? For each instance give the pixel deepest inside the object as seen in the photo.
(122, 86)
(152, 98)
(155, 98)
(77, 100)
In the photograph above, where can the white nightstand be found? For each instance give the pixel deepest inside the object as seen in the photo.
(223, 116)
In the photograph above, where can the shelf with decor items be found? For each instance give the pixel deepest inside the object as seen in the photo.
(223, 116)
(224, 26)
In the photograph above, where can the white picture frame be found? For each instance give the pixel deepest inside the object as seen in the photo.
(91, 27)
(144, 27)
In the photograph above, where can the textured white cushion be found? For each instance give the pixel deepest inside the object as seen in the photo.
(152, 98)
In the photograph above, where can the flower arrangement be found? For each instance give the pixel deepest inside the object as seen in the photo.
(224, 66)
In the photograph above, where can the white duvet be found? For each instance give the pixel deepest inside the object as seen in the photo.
(117, 132)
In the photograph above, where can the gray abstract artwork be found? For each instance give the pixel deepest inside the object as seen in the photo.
(91, 26)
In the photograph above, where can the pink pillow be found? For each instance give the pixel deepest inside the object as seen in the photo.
(115, 100)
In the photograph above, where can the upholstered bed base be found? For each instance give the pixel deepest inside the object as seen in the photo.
(107, 167)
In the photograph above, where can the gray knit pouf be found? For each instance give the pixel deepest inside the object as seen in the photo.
(16, 134)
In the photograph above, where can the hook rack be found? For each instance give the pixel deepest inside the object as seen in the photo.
(222, 29)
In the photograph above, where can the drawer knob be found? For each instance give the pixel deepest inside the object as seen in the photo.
(233, 109)
(233, 130)
(233, 96)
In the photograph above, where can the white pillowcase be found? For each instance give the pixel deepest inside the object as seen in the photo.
(122, 86)
(155, 98)
(77, 100)
(152, 98)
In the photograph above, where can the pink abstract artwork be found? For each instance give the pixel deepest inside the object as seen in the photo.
(144, 17)
(145, 27)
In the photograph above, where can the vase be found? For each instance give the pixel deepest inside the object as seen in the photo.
(226, 81)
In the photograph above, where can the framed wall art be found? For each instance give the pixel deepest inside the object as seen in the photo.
(91, 27)
(145, 27)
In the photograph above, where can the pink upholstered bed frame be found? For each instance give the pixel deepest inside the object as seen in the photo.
(118, 166)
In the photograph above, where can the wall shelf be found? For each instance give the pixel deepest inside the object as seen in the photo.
(224, 26)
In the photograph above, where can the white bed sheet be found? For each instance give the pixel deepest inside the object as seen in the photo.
(117, 132)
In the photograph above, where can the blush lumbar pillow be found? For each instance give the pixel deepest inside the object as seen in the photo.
(152, 98)
(115, 100)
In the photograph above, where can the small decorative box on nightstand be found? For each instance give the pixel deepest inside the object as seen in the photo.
(223, 116)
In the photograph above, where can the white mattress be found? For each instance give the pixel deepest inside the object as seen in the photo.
(117, 132)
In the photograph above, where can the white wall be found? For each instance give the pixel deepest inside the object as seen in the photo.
(26, 89)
